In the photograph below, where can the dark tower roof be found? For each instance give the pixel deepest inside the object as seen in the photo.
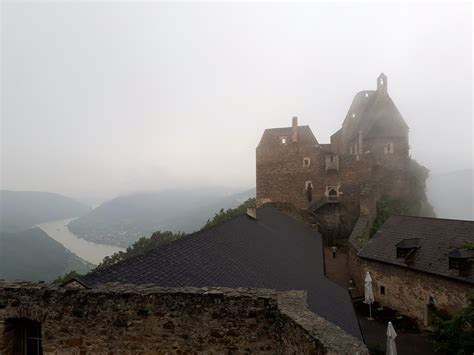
(374, 114)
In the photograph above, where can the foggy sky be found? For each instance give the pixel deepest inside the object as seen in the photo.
(100, 99)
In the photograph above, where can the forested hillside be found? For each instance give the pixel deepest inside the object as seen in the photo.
(160, 238)
(20, 210)
(124, 220)
(32, 255)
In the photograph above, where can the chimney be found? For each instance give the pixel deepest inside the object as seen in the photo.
(252, 212)
(295, 129)
(382, 84)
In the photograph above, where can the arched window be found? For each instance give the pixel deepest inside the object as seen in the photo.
(332, 195)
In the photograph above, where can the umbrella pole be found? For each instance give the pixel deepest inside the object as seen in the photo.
(370, 312)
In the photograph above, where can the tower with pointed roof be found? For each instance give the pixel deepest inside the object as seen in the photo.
(374, 125)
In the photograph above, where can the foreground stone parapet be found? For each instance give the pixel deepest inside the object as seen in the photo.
(130, 319)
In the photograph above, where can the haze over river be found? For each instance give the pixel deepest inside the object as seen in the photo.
(90, 251)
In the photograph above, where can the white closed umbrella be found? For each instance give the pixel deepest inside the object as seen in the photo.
(391, 347)
(368, 293)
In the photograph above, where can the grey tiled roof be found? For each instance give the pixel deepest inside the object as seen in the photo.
(437, 238)
(273, 252)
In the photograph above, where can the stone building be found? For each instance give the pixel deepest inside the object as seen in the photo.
(417, 265)
(367, 157)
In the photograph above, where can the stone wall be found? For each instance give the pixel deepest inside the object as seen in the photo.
(409, 291)
(397, 159)
(282, 178)
(130, 319)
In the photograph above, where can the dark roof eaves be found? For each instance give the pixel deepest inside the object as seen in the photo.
(434, 218)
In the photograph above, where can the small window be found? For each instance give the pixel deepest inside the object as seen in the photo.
(283, 140)
(388, 148)
(309, 190)
(382, 290)
(381, 81)
(402, 253)
(353, 115)
(460, 259)
(306, 162)
(456, 264)
(366, 94)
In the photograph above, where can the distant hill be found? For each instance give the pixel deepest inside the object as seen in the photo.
(123, 220)
(452, 194)
(33, 255)
(24, 209)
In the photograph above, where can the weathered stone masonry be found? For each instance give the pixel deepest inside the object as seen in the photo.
(132, 319)
(409, 291)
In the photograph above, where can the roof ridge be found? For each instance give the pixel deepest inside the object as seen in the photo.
(437, 218)
(286, 127)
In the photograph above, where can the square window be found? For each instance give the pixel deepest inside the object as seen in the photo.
(283, 140)
(402, 253)
(382, 290)
(306, 162)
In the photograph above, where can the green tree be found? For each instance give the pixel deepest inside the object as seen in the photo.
(469, 245)
(455, 335)
(386, 207)
(225, 215)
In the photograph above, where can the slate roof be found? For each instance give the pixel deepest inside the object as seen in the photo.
(274, 251)
(437, 238)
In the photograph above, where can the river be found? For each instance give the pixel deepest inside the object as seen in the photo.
(90, 251)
